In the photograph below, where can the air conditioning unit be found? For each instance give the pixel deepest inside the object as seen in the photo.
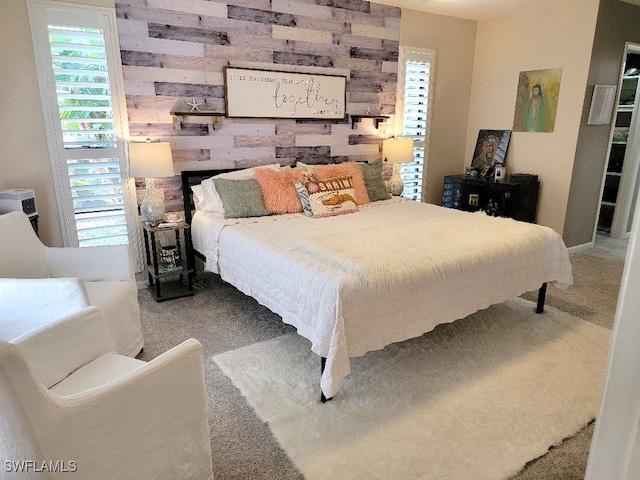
(18, 199)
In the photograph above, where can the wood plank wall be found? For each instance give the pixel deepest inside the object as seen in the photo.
(173, 50)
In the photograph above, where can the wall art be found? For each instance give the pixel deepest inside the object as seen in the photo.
(537, 100)
(256, 93)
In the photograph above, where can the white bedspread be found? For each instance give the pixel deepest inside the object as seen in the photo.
(280, 261)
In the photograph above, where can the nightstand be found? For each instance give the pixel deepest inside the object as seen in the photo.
(170, 269)
(516, 196)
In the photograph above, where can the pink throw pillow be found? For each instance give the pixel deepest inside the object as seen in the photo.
(346, 169)
(278, 189)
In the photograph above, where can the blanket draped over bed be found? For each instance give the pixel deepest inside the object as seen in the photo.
(402, 254)
(392, 271)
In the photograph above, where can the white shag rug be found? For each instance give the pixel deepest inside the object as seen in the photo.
(477, 398)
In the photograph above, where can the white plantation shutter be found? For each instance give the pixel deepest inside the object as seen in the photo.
(415, 73)
(78, 73)
(84, 99)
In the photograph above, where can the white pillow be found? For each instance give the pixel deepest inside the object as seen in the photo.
(198, 196)
(211, 201)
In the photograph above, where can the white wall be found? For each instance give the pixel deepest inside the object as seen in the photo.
(615, 447)
(24, 155)
(547, 37)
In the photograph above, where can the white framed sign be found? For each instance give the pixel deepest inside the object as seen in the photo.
(256, 93)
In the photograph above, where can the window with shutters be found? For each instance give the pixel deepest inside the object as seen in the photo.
(414, 82)
(81, 87)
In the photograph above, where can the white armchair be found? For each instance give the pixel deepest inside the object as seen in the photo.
(75, 277)
(72, 404)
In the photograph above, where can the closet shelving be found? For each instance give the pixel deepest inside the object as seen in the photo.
(620, 150)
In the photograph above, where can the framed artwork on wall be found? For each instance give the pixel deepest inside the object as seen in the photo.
(256, 93)
(537, 100)
(491, 151)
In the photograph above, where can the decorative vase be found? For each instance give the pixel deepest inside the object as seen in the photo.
(152, 206)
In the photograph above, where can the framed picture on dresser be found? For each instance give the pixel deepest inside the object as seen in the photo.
(491, 151)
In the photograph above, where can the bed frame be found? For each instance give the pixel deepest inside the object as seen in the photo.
(194, 177)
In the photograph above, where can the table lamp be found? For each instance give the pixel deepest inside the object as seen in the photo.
(396, 151)
(151, 160)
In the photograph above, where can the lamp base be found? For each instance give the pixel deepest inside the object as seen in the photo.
(396, 185)
(152, 206)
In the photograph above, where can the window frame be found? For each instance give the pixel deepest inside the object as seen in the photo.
(416, 53)
(42, 12)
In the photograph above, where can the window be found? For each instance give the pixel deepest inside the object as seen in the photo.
(414, 83)
(81, 86)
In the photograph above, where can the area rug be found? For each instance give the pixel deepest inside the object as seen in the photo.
(477, 398)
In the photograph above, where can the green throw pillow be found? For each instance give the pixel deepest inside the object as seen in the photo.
(373, 181)
(240, 198)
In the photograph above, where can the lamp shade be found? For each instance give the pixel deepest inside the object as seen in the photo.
(398, 150)
(150, 160)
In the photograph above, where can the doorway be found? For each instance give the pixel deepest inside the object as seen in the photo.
(620, 182)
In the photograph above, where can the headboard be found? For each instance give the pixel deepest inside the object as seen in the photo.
(194, 177)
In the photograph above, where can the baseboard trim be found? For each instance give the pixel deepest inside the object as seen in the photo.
(581, 248)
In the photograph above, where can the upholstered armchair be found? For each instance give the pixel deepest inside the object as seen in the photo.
(74, 408)
(67, 278)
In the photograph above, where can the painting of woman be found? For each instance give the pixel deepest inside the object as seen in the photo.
(536, 100)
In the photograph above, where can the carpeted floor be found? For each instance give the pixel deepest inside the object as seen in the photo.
(223, 319)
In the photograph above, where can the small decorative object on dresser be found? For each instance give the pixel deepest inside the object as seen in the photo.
(490, 152)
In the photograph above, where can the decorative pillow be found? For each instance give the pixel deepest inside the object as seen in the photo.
(278, 189)
(333, 196)
(198, 197)
(373, 180)
(305, 200)
(211, 202)
(345, 169)
(240, 198)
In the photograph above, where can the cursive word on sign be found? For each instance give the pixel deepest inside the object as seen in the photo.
(310, 98)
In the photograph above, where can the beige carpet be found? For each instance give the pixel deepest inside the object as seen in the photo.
(478, 398)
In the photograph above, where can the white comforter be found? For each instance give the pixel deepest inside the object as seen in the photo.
(287, 263)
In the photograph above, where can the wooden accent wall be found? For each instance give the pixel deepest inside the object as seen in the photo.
(174, 50)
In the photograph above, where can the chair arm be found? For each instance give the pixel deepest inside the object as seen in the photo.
(57, 349)
(28, 303)
(112, 262)
(151, 422)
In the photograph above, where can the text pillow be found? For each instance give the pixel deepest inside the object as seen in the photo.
(333, 196)
(345, 169)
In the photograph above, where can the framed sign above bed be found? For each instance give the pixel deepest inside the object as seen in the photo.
(256, 93)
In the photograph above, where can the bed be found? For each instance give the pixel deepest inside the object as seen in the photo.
(390, 270)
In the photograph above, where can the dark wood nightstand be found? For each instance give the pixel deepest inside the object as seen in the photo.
(516, 196)
(170, 268)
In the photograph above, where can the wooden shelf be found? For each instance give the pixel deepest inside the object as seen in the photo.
(376, 119)
(178, 117)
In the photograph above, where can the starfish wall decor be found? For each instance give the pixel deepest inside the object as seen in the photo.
(194, 105)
